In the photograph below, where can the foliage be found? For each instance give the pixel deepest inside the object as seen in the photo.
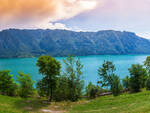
(108, 77)
(62, 90)
(148, 83)
(116, 85)
(126, 82)
(147, 64)
(7, 84)
(138, 77)
(42, 87)
(25, 85)
(92, 90)
(73, 71)
(105, 73)
(49, 67)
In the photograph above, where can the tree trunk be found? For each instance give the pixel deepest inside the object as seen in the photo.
(50, 90)
(51, 94)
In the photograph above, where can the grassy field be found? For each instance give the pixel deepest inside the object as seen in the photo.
(125, 103)
(19, 105)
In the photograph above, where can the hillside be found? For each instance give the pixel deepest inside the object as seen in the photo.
(28, 43)
(125, 103)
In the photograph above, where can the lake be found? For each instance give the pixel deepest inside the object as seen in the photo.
(91, 64)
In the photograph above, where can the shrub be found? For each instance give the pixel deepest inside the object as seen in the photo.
(7, 84)
(92, 90)
(25, 85)
(126, 82)
(115, 85)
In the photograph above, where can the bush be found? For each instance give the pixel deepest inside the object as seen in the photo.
(7, 84)
(126, 82)
(25, 85)
(92, 90)
(115, 85)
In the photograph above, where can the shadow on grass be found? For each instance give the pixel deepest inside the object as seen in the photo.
(31, 104)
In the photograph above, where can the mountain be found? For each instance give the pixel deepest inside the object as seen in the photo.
(29, 43)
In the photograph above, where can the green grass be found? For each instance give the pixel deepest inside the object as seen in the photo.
(30, 105)
(125, 103)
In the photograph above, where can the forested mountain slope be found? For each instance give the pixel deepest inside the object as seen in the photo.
(28, 43)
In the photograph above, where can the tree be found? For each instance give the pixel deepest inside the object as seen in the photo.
(147, 64)
(126, 82)
(105, 73)
(138, 77)
(116, 85)
(25, 85)
(74, 73)
(49, 67)
(108, 78)
(7, 84)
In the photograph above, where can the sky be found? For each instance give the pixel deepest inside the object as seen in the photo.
(77, 15)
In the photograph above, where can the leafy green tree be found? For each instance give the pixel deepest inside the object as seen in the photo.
(138, 77)
(73, 71)
(116, 85)
(126, 82)
(105, 73)
(25, 85)
(147, 64)
(108, 78)
(7, 84)
(49, 67)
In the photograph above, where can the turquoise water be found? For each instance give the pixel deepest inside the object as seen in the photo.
(91, 64)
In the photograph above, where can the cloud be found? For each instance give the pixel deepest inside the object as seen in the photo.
(128, 15)
(31, 13)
